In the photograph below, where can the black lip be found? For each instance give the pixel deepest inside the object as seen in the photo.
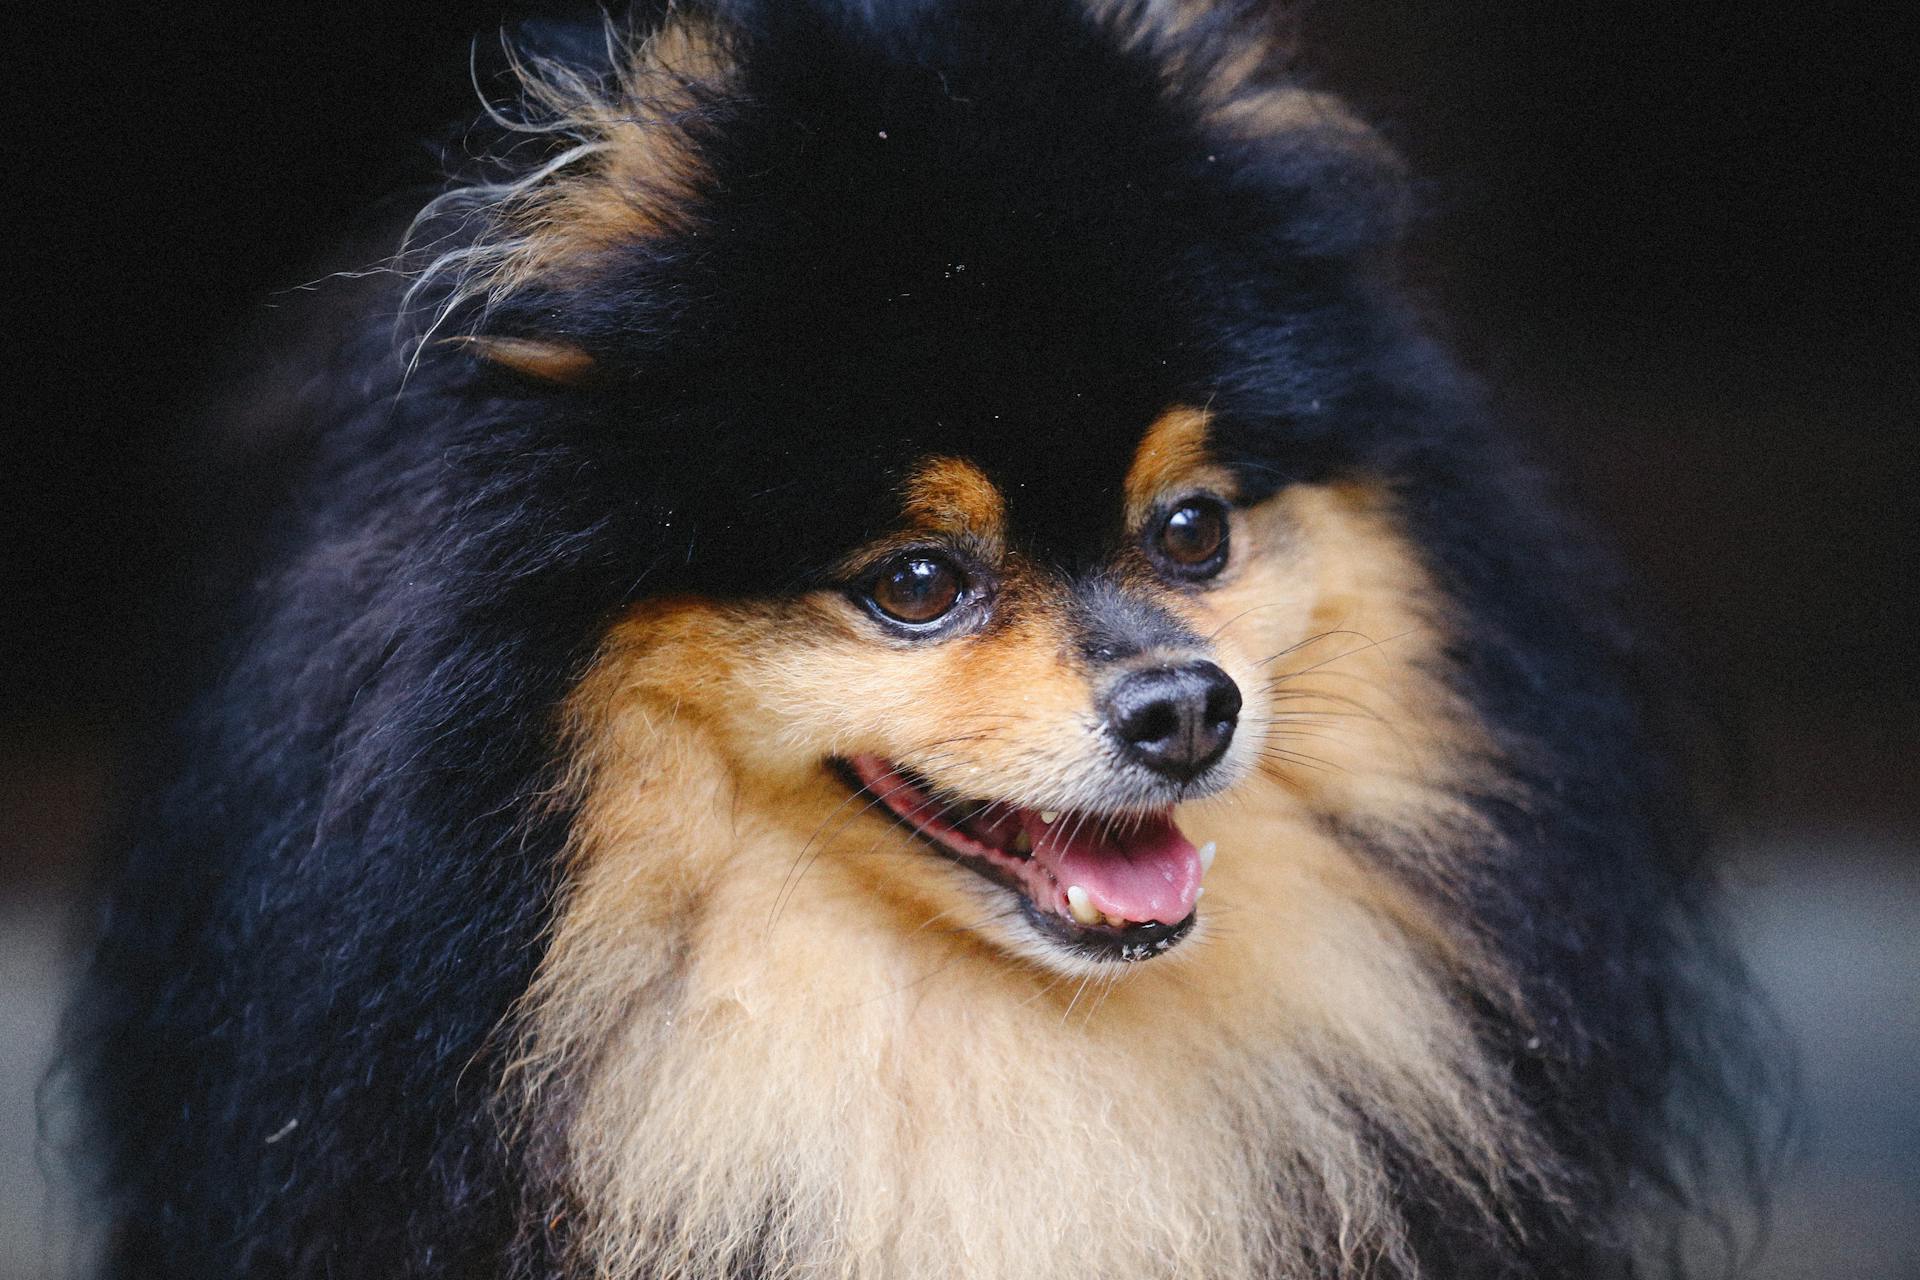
(1102, 943)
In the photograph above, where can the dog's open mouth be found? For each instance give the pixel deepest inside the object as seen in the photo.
(1113, 887)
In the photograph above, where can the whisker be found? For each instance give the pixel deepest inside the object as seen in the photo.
(1215, 633)
(1315, 638)
(797, 871)
(1078, 992)
(1305, 761)
(1370, 644)
(1107, 987)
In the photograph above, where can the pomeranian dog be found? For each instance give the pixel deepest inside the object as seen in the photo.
(913, 664)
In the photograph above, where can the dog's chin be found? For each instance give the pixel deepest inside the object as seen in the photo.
(1091, 888)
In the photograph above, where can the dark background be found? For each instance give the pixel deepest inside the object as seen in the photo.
(1672, 235)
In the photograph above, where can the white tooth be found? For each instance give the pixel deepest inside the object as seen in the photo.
(1022, 843)
(1081, 906)
(1199, 893)
(1048, 815)
(1207, 851)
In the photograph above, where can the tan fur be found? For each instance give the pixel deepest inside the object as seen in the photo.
(1171, 461)
(951, 495)
(641, 171)
(1358, 726)
(622, 171)
(554, 362)
(1317, 118)
(1244, 90)
(777, 1030)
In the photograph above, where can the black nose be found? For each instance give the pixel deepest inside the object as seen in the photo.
(1175, 720)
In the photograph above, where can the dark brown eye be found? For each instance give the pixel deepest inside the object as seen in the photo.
(917, 587)
(1192, 539)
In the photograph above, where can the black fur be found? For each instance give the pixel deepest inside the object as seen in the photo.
(970, 227)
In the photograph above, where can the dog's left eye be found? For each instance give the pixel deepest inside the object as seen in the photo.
(917, 587)
(1191, 539)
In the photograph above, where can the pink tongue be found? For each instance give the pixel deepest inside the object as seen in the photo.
(1144, 870)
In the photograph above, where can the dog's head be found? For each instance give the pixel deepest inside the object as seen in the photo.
(1002, 434)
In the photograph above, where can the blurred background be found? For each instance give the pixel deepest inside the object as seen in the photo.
(1672, 235)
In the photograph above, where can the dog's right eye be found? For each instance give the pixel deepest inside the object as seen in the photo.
(1191, 542)
(917, 587)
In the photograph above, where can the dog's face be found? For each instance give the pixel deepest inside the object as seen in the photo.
(1006, 723)
(1032, 720)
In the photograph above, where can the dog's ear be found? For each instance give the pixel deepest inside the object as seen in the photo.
(1233, 63)
(1352, 190)
(557, 363)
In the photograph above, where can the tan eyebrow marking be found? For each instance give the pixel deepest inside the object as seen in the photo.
(950, 495)
(555, 362)
(1172, 455)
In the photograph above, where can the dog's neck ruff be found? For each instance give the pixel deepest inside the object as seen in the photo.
(785, 1079)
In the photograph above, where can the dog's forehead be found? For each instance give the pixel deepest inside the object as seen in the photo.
(1064, 498)
(790, 489)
